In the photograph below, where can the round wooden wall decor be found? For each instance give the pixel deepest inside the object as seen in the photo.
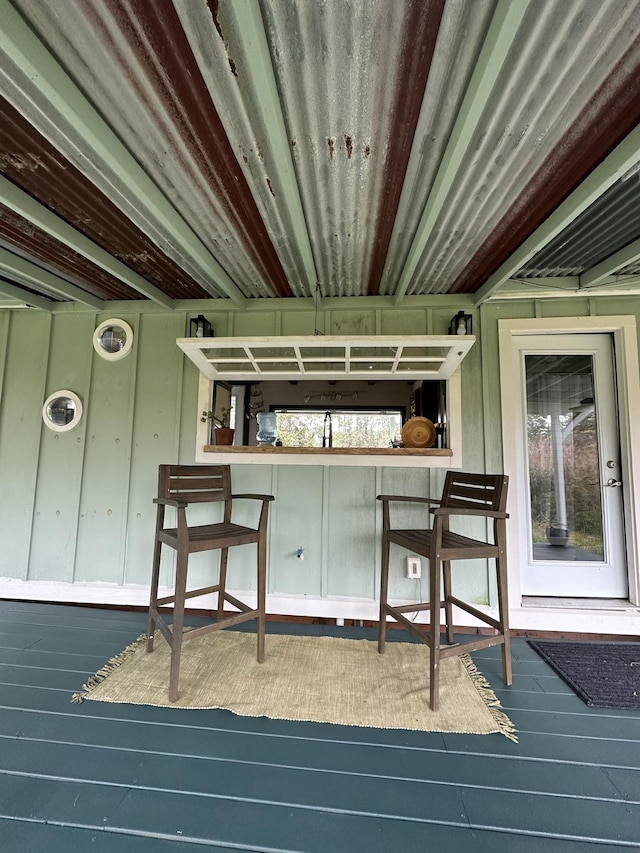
(418, 432)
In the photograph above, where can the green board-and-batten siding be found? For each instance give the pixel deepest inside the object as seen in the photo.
(79, 504)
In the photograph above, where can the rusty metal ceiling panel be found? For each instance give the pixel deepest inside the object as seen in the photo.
(27, 241)
(350, 130)
(250, 149)
(134, 60)
(556, 62)
(462, 34)
(29, 161)
(604, 228)
(605, 119)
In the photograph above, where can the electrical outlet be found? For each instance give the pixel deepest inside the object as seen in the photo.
(414, 567)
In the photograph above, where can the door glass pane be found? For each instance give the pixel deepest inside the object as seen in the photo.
(562, 449)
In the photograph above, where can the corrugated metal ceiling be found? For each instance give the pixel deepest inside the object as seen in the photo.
(252, 149)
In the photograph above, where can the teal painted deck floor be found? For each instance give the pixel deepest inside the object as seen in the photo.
(131, 779)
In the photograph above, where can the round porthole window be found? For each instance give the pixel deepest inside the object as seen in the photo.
(62, 411)
(113, 339)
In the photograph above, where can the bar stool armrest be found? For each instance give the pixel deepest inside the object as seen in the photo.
(482, 513)
(408, 499)
(254, 497)
(170, 502)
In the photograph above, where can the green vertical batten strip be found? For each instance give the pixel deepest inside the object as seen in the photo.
(63, 99)
(5, 322)
(84, 327)
(272, 585)
(34, 491)
(504, 26)
(126, 487)
(378, 532)
(85, 445)
(324, 538)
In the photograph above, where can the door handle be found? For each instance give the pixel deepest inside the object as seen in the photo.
(612, 483)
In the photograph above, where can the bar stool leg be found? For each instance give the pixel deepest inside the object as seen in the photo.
(155, 580)
(261, 588)
(178, 624)
(448, 607)
(384, 592)
(222, 581)
(503, 616)
(434, 633)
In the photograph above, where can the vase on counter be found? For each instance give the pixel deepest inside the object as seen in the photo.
(267, 427)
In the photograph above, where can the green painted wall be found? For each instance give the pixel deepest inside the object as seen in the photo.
(77, 506)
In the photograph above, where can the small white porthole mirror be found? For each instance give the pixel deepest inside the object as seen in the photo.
(113, 339)
(62, 411)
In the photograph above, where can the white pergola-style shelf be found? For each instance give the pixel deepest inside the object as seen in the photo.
(330, 357)
(426, 357)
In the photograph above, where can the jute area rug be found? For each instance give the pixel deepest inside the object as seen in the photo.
(320, 679)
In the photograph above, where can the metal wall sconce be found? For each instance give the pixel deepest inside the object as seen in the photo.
(200, 327)
(461, 324)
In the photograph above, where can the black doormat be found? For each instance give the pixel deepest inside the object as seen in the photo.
(604, 675)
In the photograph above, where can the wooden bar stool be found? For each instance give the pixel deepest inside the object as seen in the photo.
(479, 495)
(180, 486)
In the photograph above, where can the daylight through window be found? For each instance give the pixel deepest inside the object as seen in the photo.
(305, 427)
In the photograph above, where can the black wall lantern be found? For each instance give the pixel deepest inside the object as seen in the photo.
(460, 324)
(200, 327)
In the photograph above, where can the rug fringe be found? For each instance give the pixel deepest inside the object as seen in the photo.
(505, 725)
(106, 670)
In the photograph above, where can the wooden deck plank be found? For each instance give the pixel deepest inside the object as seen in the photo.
(27, 836)
(55, 678)
(74, 617)
(627, 782)
(57, 800)
(554, 702)
(61, 637)
(46, 702)
(439, 768)
(238, 781)
(137, 774)
(612, 727)
(282, 827)
(79, 661)
(549, 747)
(561, 817)
(539, 747)
(544, 745)
(219, 748)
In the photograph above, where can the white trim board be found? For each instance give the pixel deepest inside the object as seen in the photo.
(454, 392)
(623, 330)
(620, 621)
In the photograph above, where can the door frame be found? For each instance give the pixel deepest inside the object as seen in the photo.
(625, 347)
(549, 574)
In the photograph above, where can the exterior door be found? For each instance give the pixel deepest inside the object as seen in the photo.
(570, 449)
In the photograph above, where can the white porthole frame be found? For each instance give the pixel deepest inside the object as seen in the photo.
(48, 422)
(118, 354)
